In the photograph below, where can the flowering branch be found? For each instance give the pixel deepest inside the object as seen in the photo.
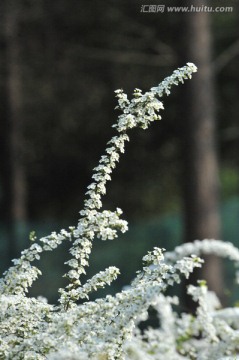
(105, 328)
(141, 111)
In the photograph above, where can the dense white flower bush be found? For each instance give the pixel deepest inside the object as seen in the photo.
(107, 328)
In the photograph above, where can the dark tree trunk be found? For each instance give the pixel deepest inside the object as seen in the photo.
(14, 174)
(201, 184)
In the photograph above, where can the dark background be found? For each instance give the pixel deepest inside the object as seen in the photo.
(60, 64)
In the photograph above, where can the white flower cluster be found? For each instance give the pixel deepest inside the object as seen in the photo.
(143, 108)
(212, 333)
(107, 328)
(31, 327)
(206, 247)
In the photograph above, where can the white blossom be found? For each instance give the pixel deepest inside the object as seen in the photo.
(107, 328)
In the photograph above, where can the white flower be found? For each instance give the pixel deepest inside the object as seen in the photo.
(105, 329)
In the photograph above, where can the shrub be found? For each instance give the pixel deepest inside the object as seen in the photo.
(107, 328)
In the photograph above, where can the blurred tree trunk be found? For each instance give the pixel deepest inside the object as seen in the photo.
(14, 174)
(201, 185)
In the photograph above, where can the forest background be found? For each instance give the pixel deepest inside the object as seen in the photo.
(59, 66)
